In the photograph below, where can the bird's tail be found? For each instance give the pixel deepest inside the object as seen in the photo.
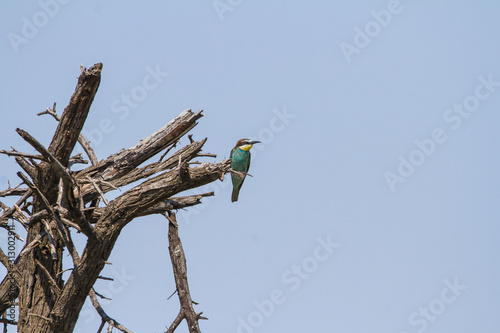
(234, 196)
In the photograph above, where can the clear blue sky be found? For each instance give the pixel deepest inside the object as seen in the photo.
(374, 202)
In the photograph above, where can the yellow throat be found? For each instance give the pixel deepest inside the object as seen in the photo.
(246, 147)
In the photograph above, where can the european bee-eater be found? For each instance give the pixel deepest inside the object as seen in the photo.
(240, 161)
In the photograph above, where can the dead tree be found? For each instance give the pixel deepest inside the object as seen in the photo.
(55, 202)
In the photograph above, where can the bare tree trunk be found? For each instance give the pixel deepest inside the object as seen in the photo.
(56, 201)
(37, 297)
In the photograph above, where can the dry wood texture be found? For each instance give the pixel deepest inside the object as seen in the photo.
(56, 202)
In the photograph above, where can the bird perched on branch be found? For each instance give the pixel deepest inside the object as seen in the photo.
(240, 161)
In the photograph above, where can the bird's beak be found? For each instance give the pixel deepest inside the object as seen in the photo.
(254, 142)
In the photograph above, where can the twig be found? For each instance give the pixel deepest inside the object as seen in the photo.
(17, 153)
(50, 111)
(172, 294)
(70, 224)
(239, 173)
(207, 155)
(13, 191)
(98, 189)
(19, 202)
(88, 150)
(105, 278)
(39, 316)
(111, 322)
(168, 149)
(66, 270)
(77, 159)
(102, 296)
(9, 229)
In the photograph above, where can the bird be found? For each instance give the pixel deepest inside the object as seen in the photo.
(240, 161)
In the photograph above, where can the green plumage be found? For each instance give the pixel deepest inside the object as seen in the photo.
(240, 161)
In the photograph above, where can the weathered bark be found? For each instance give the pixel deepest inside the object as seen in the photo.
(75, 114)
(178, 259)
(116, 215)
(56, 201)
(35, 298)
